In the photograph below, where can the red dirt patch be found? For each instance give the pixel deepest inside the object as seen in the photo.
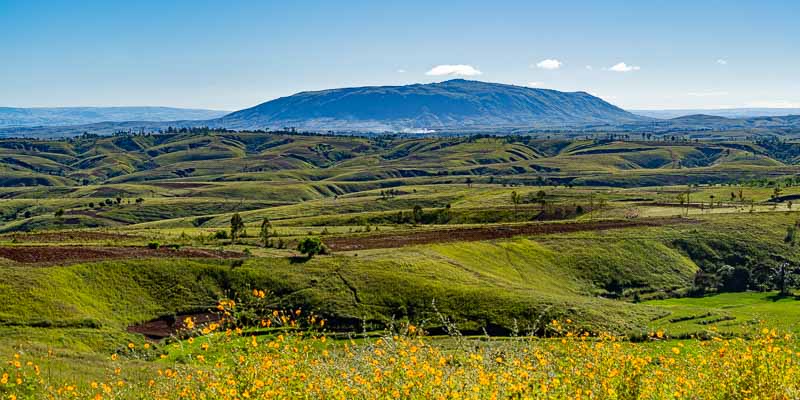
(392, 240)
(164, 327)
(67, 236)
(67, 254)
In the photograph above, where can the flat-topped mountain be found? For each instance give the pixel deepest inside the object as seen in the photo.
(455, 103)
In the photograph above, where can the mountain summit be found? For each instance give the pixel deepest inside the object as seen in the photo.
(451, 104)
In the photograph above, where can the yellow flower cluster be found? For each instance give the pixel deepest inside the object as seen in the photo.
(306, 365)
(296, 359)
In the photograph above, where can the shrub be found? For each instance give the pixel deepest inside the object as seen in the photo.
(153, 245)
(311, 246)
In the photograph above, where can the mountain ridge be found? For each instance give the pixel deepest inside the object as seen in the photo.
(62, 116)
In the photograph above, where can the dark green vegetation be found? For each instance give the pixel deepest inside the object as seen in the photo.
(503, 234)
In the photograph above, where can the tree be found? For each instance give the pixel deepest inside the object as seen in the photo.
(311, 246)
(417, 214)
(515, 199)
(784, 278)
(776, 193)
(264, 233)
(237, 226)
(59, 212)
(734, 279)
(791, 233)
(468, 182)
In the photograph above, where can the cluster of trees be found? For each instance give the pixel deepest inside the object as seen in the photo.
(780, 276)
(61, 211)
(390, 193)
(310, 246)
(769, 272)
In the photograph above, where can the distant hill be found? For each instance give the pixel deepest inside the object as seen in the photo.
(451, 104)
(724, 112)
(453, 107)
(63, 116)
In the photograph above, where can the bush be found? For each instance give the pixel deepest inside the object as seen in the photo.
(221, 235)
(153, 245)
(311, 246)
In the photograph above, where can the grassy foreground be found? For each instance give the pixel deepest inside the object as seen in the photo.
(287, 354)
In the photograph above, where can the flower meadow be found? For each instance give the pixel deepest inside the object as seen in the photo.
(253, 353)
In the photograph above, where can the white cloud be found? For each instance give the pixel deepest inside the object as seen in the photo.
(535, 84)
(401, 71)
(722, 61)
(707, 94)
(606, 98)
(549, 64)
(622, 67)
(457, 69)
(589, 67)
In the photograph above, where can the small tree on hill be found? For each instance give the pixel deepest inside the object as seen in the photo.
(791, 235)
(264, 233)
(784, 277)
(515, 199)
(311, 246)
(776, 193)
(417, 214)
(237, 226)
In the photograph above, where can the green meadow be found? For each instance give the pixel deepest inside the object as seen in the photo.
(492, 236)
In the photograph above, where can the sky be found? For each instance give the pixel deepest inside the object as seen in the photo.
(233, 54)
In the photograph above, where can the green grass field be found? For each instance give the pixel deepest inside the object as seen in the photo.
(99, 235)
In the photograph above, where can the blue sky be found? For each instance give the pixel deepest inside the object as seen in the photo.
(235, 54)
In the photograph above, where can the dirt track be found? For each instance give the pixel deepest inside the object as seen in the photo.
(392, 240)
(69, 254)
